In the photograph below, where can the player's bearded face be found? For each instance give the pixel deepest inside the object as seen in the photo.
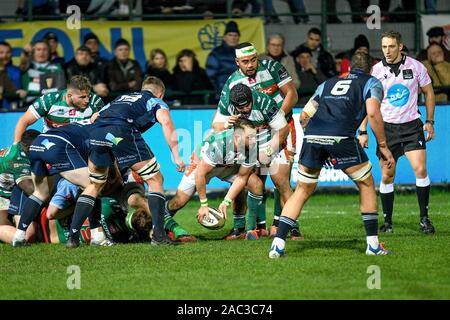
(245, 111)
(248, 65)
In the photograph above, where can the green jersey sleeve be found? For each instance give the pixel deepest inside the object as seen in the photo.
(96, 103)
(41, 106)
(279, 73)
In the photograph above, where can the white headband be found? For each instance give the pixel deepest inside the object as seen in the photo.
(246, 51)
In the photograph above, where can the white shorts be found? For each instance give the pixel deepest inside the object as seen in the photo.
(187, 183)
(4, 203)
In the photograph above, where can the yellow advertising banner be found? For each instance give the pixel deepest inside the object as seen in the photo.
(172, 36)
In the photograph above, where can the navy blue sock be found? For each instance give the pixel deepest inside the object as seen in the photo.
(285, 224)
(156, 202)
(370, 223)
(95, 215)
(31, 209)
(83, 209)
(387, 201)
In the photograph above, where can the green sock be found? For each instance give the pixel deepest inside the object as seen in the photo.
(178, 231)
(276, 204)
(261, 214)
(169, 223)
(238, 221)
(253, 202)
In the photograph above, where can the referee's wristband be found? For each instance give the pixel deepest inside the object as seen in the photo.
(361, 132)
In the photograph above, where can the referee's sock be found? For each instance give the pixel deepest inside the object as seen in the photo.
(423, 195)
(387, 200)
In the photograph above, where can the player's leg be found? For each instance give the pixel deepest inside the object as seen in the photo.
(307, 182)
(387, 195)
(149, 171)
(361, 174)
(256, 208)
(32, 207)
(418, 159)
(171, 207)
(7, 230)
(281, 179)
(88, 205)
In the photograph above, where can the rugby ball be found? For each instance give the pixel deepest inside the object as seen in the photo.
(215, 221)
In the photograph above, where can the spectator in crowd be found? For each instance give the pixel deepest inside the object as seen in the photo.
(166, 7)
(360, 44)
(355, 7)
(439, 71)
(40, 75)
(82, 65)
(275, 51)
(39, 7)
(91, 41)
(435, 35)
(189, 76)
(52, 40)
(124, 74)
(158, 67)
(10, 75)
(338, 60)
(310, 77)
(321, 58)
(297, 7)
(221, 63)
(239, 6)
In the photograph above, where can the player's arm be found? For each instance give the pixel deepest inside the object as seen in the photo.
(236, 187)
(311, 107)
(222, 118)
(376, 123)
(200, 183)
(280, 128)
(26, 120)
(26, 184)
(430, 105)
(170, 134)
(290, 97)
(363, 137)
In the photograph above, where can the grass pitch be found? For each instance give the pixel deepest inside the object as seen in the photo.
(329, 264)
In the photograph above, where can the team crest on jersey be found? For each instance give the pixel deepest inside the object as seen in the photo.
(72, 112)
(398, 95)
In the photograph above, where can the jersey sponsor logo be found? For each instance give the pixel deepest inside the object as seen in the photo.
(283, 74)
(115, 140)
(47, 144)
(398, 95)
(269, 90)
(408, 74)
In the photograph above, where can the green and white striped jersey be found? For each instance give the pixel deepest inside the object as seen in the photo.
(13, 171)
(218, 150)
(270, 77)
(56, 112)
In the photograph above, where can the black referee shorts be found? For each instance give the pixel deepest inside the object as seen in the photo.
(404, 137)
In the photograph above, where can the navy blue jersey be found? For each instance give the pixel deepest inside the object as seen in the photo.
(342, 104)
(76, 134)
(137, 109)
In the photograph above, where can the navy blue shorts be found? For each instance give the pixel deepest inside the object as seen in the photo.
(17, 201)
(124, 143)
(340, 153)
(50, 154)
